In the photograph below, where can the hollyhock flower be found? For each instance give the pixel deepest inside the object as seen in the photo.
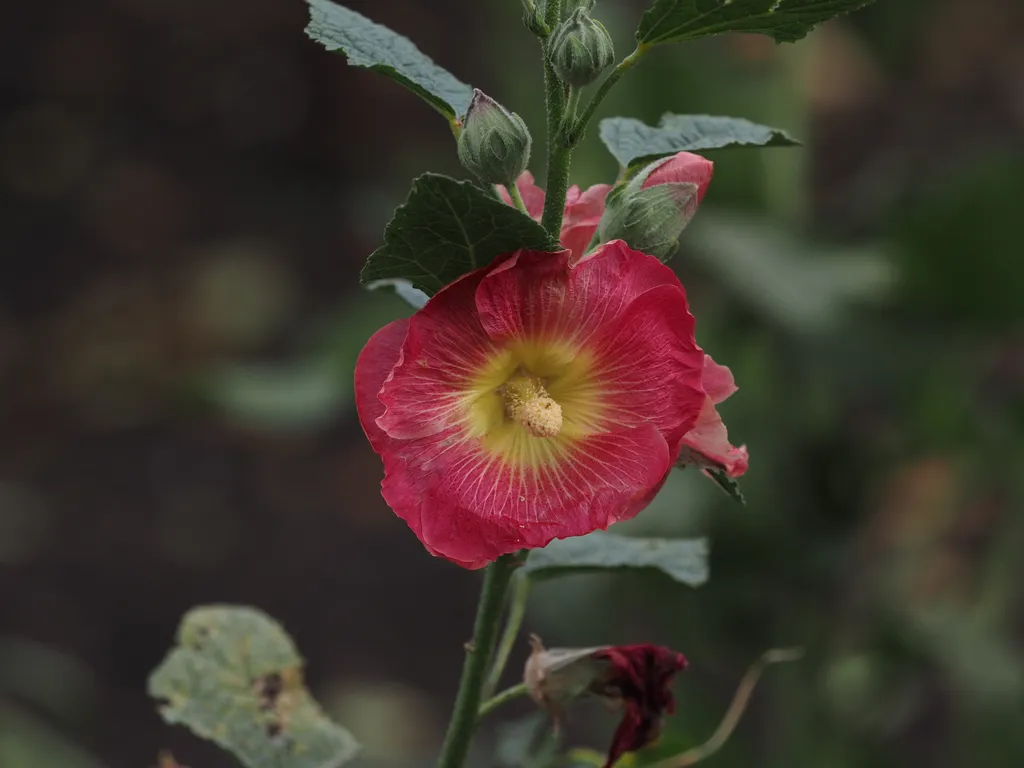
(583, 210)
(534, 399)
(632, 678)
(707, 444)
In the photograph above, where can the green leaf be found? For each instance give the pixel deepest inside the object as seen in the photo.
(236, 679)
(806, 287)
(376, 47)
(684, 560)
(634, 143)
(727, 484)
(673, 21)
(448, 228)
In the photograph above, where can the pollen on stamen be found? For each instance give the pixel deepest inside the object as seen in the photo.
(529, 404)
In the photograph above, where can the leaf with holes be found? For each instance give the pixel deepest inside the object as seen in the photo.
(376, 47)
(673, 21)
(447, 228)
(235, 678)
(634, 143)
(684, 560)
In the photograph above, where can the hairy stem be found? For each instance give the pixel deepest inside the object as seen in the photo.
(485, 630)
(517, 610)
(509, 694)
(559, 156)
(517, 199)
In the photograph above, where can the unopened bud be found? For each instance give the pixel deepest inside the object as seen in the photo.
(581, 49)
(650, 220)
(494, 143)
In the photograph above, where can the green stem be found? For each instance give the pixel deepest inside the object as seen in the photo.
(485, 630)
(580, 127)
(520, 593)
(559, 155)
(517, 199)
(509, 694)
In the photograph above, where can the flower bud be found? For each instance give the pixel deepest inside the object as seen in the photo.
(494, 143)
(581, 49)
(682, 166)
(650, 220)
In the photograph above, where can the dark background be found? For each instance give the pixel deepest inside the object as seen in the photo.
(188, 189)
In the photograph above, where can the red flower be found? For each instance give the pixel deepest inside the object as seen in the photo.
(681, 167)
(639, 677)
(633, 678)
(534, 399)
(707, 444)
(582, 210)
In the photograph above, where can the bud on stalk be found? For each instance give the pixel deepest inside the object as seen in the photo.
(494, 143)
(580, 49)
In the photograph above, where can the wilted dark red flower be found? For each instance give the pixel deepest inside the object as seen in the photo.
(633, 678)
(639, 677)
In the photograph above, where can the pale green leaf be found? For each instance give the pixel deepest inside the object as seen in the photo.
(804, 286)
(235, 678)
(373, 46)
(634, 143)
(684, 560)
(447, 228)
(673, 21)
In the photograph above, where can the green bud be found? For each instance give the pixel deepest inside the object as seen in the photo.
(494, 143)
(581, 49)
(649, 220)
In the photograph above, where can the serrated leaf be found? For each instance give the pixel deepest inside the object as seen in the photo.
(634, 143)
(373, 46)
(236, 679)
(684, 560)
(786, 21)
(727, 484)
(447, 228)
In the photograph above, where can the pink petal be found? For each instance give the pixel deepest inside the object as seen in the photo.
(707, 444)
(648, 367)
(683, 167)
(444, 347)
(373, 366)
(538, 295)
(468, 506)
(718, 381)
(533, 196)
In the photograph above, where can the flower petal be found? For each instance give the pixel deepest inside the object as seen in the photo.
(707, 444)
(581, 219)
(718, 381)
(444, 346)
(373, 366)
(533, 196)
(538, 295)
(468, 505)
(683, 167)
(648, 368)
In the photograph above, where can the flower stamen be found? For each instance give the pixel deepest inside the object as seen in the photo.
(529, 404)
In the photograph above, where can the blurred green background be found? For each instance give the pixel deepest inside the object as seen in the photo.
(188, 190)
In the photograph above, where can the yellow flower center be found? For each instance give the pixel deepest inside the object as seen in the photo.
(532, 400)
(527, 402)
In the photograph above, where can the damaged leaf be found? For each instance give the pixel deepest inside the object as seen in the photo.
(235, 678)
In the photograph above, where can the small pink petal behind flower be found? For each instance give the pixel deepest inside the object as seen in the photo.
(533, 196)
(707, 443)
(583, 210)
(683, 167)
